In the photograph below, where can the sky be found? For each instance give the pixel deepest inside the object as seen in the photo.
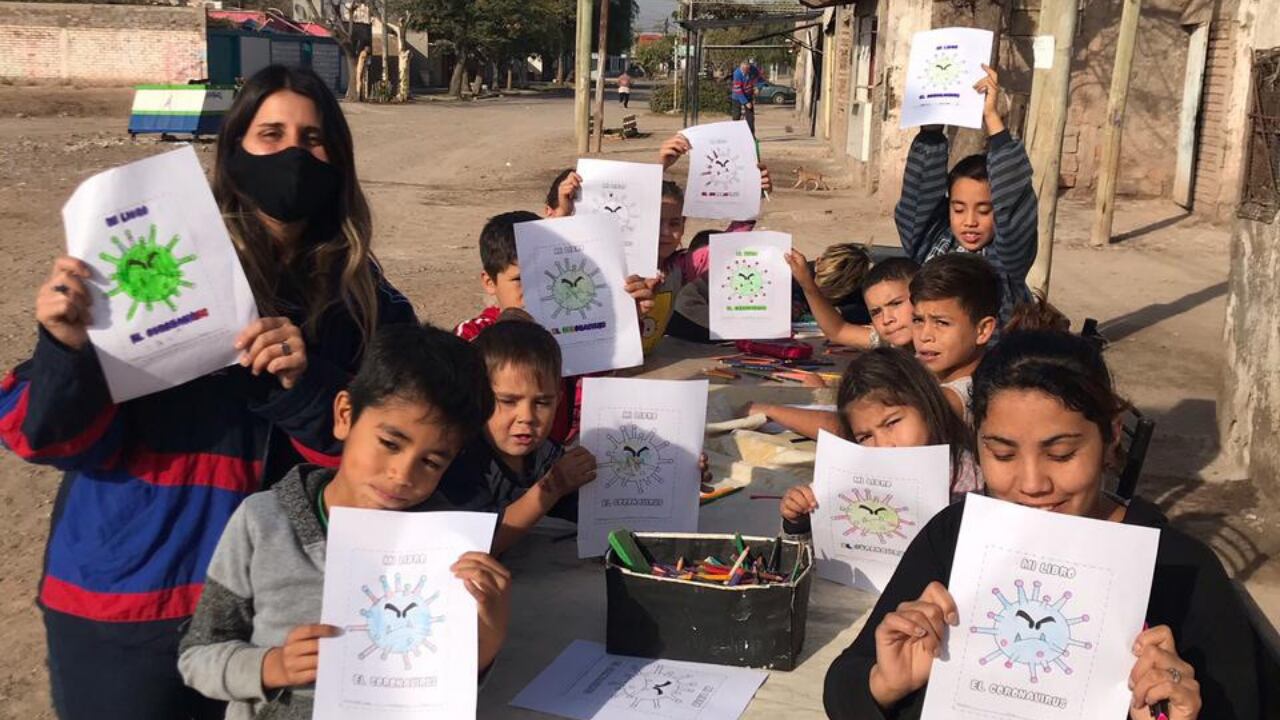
(653, 12)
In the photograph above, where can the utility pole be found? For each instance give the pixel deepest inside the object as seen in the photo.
(601, 63)
(582, 77)
(1046, 121)
(1106, 200)
(386, 50)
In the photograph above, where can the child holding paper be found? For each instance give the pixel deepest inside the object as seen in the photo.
(150, 483)
(887, 399)
(1048, 422)
(254, 641)
(985, 205)
(500, 278)
(515, 466)
(955, 302)
(885, 297)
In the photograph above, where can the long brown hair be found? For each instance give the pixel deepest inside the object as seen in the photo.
(334, 262)
(891, 376)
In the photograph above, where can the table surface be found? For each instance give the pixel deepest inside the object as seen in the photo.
(557, 598)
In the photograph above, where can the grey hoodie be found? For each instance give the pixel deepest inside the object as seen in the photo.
(266, 578)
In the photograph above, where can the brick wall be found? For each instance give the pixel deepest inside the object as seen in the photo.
(106, 44)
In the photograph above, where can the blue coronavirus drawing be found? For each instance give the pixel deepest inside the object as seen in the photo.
(399, 621)
(1032, 631)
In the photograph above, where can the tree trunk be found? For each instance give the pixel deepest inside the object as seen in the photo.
(560, 68)
(353, 76)
(362, 65)
(510, 78)
(405, 61)
(386, 54)
(455, 82)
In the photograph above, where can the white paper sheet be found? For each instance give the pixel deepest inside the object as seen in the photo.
(1049, 608)
(169, 295)
(586, 683)
(646, 436)
(724, 174)
(1042, 51)
(630, 195)
(872, 502)
(749, 286)
(944, 65)
(409, 646)
(574, 277)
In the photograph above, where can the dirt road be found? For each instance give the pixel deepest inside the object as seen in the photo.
(434, 171)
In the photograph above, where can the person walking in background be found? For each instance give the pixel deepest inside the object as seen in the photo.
(745, 80)
(624, 88)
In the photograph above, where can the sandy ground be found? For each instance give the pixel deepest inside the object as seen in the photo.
(434, 171)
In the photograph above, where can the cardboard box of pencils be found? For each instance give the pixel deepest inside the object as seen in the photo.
(674, 617)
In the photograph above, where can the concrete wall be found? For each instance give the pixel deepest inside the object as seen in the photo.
(1150, 140)
(1250, 396)
(107, 44)
(1251, 386)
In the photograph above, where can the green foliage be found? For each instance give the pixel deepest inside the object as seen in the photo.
(655, 56)
(713, 97)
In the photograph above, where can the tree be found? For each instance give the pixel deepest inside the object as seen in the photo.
(655, 56)
(338, 17)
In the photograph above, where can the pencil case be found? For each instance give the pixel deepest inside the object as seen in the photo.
(781, 349)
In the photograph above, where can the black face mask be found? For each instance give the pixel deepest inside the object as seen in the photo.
(290, 185)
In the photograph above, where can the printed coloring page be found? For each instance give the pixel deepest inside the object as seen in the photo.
(724, 175)
(1048, 612)
(630, 195)
(646, 436)
(169, 295)
(586, 683)
(749, 286)
(574, 279)
(872, 502)
(409, 646)
(941, 72)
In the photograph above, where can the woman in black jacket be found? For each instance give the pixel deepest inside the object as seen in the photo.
(1048, 421)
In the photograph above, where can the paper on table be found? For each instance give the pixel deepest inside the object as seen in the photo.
(943, 67)
(630, 195)
(724, 177)
(168, 292)
(646, 436)
(872, 502)
(749, 286)
(1048, 614)
(575, 286)
(586, 683)
(410, 638)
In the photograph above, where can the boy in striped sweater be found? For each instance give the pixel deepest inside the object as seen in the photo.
(985, 205)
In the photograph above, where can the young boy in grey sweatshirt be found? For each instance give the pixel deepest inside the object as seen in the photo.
(419, 396)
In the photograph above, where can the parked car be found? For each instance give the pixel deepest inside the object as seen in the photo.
(777, 94)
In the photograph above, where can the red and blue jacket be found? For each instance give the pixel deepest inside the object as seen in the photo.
(149, 484)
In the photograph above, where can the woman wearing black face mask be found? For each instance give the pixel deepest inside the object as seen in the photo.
(150, 483)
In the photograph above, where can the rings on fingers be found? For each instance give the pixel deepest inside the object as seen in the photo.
(61, 289)
(284, 348)
(1175, 675)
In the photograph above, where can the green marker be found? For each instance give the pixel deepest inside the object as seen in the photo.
(628, 552)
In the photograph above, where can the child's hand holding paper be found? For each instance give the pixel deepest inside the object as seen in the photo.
(908, 640)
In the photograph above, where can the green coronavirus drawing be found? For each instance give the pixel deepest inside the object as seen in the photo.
(146, 272)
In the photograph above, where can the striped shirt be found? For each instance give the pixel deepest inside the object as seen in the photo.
(924, 225)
